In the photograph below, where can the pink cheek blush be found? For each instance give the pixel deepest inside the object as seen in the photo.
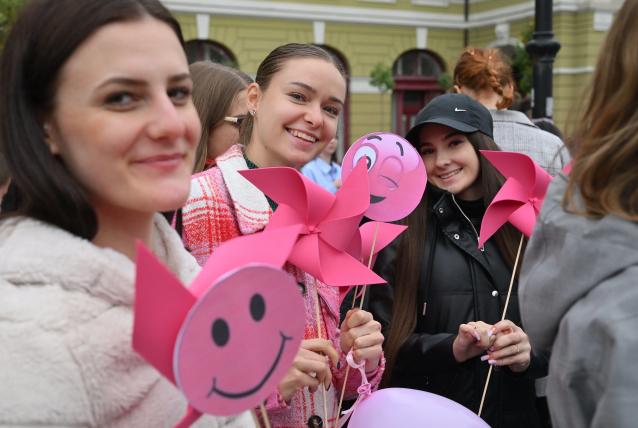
(239, 340)
(396, 174)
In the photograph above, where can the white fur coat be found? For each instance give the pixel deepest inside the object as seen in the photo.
(65, 333)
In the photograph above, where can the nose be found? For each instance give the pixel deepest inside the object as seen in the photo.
(442, 159)
(313, 115)
(166, 122)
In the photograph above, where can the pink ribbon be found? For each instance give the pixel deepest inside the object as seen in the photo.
(364, 390)
(189, 418)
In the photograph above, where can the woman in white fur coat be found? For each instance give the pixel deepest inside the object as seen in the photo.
(99, 132)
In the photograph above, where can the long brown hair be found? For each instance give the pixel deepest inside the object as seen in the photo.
(604, 145)
(485, 69)
(215, 88)
(275, 62)
(412, 245)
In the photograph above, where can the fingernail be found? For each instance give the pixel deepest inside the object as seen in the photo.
(491, 362)
(485, 357)
(477, 336)
(491, 349)
(490, 333)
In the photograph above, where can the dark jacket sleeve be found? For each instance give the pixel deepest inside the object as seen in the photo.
(421, 353)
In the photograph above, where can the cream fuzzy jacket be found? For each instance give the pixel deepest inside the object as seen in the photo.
(65, 333)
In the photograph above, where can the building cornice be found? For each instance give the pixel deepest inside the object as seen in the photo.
(368, 14)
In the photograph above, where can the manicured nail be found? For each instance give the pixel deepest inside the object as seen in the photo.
(485, 357)
(477, 336)
(491, 349)
(491, 362)
(490, 333)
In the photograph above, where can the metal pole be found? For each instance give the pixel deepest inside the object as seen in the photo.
(543, 49)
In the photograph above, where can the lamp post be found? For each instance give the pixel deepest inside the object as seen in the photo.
(543, 48)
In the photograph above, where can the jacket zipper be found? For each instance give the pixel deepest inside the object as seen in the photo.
(468, 220)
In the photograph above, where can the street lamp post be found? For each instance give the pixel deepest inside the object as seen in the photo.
(543, 48)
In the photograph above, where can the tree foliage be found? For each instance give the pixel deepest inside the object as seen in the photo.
(381, 78)
(8, 12)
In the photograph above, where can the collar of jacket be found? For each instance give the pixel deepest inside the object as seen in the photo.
(458, 229)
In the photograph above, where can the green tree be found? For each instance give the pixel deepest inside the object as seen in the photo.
(8, 12)
(522, 63)
(382, 79)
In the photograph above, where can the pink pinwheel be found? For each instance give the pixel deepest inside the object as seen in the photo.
(204, 338)
(520, 199)
(329, 223)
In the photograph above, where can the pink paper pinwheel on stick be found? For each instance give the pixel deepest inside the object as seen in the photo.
(519, 201)
(204, 338)
(328, 223)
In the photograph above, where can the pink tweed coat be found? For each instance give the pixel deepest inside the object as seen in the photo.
(223, 205)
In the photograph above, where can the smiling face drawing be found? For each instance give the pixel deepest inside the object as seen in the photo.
(239, 340)
(396, 174)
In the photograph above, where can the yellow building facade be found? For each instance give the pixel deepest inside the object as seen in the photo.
(418, 39)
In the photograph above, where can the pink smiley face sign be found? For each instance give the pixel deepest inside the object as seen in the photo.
(238, 340)
(396, 174)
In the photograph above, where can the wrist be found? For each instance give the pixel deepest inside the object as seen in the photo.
(460, 355)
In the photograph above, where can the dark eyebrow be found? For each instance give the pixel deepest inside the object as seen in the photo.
(127, 81)
(314, 91)
(374, 137)
(400, 147)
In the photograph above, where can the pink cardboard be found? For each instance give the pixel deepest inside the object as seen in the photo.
(168, 323)
(328, 222)
(520, 199)
(239, 340)
(397, 176)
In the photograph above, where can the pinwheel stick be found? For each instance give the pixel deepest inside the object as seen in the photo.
(264, 416)
(507, 301)
(354, 298)
(319, 335)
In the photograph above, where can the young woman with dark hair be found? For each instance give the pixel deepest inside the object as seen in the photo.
(442, 307)
(99, 133)
(294, 107)
(579, 283)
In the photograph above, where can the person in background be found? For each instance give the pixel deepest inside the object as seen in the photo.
(99, 133)
(219, 95)
(579, 283)
(484, 75)
(441, 310)
(294, 108)
(324, 169)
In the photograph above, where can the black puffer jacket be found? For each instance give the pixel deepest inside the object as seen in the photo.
(466, 284)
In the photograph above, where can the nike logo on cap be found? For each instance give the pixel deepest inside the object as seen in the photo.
(458, 109)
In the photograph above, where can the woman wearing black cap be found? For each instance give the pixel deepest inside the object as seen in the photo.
(445, 296)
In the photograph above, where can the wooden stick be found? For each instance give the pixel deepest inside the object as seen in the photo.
(507, 302)
(323, 387)
(264, 415)
(354, 298)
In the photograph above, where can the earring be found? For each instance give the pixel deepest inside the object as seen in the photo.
(252, 112)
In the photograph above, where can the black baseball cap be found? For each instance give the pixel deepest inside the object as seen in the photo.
(457, 111)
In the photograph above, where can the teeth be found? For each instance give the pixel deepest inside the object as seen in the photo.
(449, 174)
(302, 135)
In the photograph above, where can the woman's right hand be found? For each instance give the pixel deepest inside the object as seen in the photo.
(310, 368)
(472, 340)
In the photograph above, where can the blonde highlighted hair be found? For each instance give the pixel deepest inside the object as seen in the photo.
(485, 69)
(604, 144)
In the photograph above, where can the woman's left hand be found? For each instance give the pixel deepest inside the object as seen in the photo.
(511, 347)
(362, 333)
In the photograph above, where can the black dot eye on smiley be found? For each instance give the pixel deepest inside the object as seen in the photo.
(220, 332)
(257, 307)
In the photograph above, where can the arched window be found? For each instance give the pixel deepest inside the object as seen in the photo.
(207, 50)
(343, 132)
(415, 84)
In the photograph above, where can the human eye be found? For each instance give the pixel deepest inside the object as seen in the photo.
(180, 94)
(426, 150)
(332, 110)
(122, 100)
(297, 96)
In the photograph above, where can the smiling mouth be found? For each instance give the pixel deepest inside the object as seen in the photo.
(450, 174)
(302, 135)
(374, 199)
(226, 394)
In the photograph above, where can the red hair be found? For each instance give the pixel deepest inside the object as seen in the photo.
(485, 69)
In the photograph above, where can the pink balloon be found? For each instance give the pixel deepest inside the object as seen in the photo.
(239, 339)
(396, 174)
(411, 408)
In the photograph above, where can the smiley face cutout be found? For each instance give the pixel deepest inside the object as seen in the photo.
(239, 340)
(396, 174)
